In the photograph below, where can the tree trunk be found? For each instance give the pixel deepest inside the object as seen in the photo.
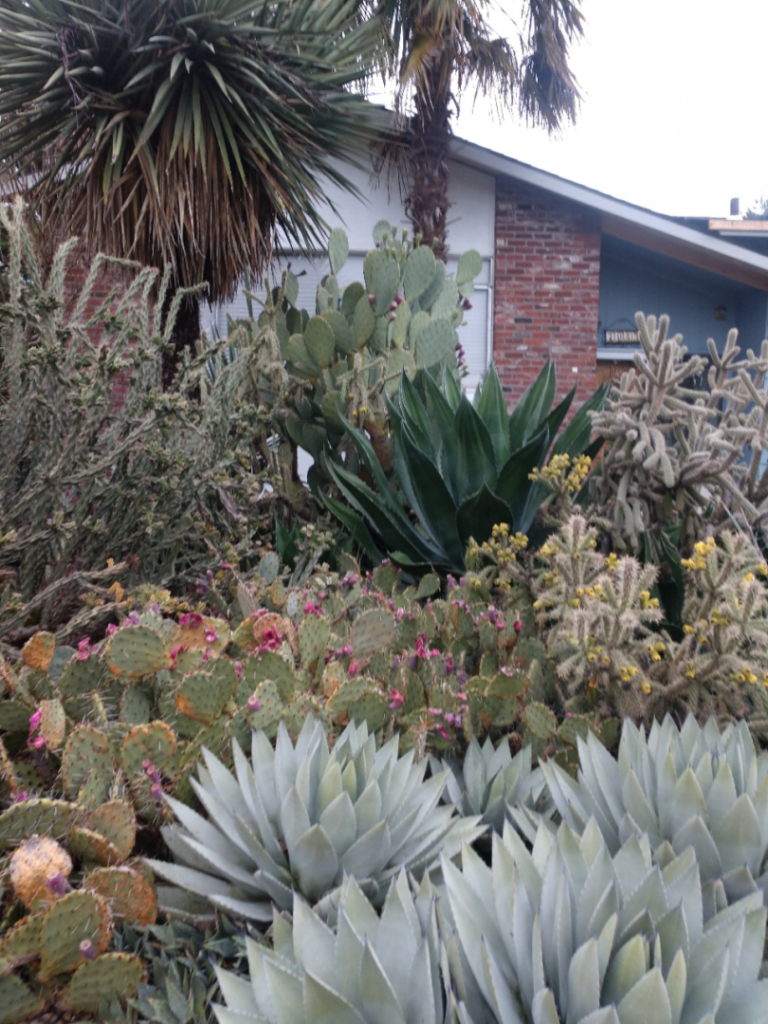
(427, 202)
(186, 332)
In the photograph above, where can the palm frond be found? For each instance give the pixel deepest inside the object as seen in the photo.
(186, 133)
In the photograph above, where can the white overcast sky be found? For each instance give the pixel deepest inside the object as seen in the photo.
(675, 111)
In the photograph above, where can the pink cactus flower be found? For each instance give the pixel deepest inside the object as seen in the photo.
(442, 731)
(461, 696)
(517, 625)
(434, 712)
(21, 796)
(399, 614)
(310, 608)
(397, 700)
(346, 649)
(238, 667)
(211, 636)
(354, 667)
(190, 619)
(35, 720)
(84, 649)
(38, 742)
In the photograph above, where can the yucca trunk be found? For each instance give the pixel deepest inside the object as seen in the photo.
(186, 332)
(427, 202)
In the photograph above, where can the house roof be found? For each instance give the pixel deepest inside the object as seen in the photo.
(675, 237)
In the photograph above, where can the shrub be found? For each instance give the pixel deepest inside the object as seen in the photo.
(162, 480)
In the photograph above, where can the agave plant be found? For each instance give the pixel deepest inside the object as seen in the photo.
(491, 780)
(690, 787)
(369, 968)
(462, 467)
(569, 933)
(303, 817)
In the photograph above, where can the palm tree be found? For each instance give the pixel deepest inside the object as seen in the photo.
(185, 134)
(439, 46)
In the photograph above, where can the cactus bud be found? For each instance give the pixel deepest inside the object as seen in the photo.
(371, 298)
(57, 883)
(392, 316)
(399, 298)
(392, 305)
(87, 950)
(254, 704)
(517, 625)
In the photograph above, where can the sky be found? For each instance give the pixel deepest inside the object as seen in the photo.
(675, 110)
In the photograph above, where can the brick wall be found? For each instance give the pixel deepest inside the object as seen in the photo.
(547, 279)
(110, 278)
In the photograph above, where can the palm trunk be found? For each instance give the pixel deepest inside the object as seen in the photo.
(427, 202)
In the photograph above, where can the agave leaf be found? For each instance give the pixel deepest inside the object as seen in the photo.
(237, 991)
(583, 982)
(738, 837)
(514, 487)
(530, 412)
(625, 970)
(368, 855)
(492, 409)
(575, 438)
(442, 417)
(721, 795)
(355, 525)
(676, 980)
(339, 822)
(434, 504)
(696, 834)
(379, 998)
(468, 457)
(324, 1006)
(414, 417)
(647, 1001)
(706, 990)
(479, 513)
(314, 860)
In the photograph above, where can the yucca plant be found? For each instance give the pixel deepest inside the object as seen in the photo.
(302, 817)
(689, 787)
(491, 780)
(462, 467)
(187, 133)
(569, 933)
(368, 968)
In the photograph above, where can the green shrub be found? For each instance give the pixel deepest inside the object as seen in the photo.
(167, 482)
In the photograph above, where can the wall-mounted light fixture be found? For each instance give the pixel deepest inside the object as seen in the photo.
(720, 313)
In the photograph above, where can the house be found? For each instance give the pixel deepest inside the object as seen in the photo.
(565, 268)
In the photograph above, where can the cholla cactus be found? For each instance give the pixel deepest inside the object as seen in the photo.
(304, 817)
(676, 456)
(570, 933)
(689, 787)
(369, 968)
(603, 627)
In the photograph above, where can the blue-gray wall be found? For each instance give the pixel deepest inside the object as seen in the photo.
(633, 278)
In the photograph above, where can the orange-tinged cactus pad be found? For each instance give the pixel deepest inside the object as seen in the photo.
(77, 917)
(116, 821)
(37, 860)
(203, 696)
(93, 848)
(53, 723)
(130, 897)
(37, 652)
(110, 975)
(203, 634)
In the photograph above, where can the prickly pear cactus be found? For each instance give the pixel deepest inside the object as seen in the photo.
(345, 359)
